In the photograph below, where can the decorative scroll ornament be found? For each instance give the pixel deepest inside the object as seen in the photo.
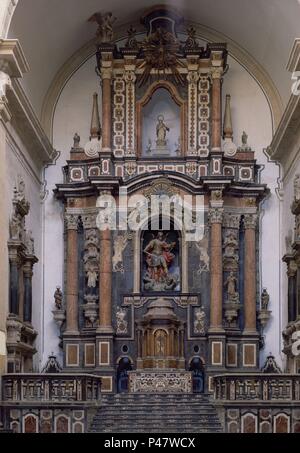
(122, 324)
(203, 247)
(161, 49)
(199, 323)
(105, 33)
(231, 246)
(132, 43)
(191, 42)
(270, 365)
(120, 245)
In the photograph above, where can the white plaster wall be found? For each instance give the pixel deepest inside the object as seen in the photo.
(73, 114)
(250, 112)
(18, 163)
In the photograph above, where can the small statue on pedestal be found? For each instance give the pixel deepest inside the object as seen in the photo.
(230, 284)
(265, 299)
(58, 297)
(161, 132)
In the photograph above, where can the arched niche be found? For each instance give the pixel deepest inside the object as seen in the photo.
(138, 251)
(161, 99)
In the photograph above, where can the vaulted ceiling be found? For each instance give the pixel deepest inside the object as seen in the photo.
(51, 31)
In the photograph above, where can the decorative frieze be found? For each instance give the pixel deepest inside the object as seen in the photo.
(119, 96)
(130, 79)
(203, 115)
(192, 79)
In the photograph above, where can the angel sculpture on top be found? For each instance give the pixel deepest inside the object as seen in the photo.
(105, 23)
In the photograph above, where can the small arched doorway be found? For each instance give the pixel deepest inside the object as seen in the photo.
(197, 369)
(122, 374)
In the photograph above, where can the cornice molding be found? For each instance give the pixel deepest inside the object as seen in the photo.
(284, 147)
(204, 33)
(12, 54)
(28, 125)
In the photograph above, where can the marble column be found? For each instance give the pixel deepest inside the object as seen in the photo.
(14, 284)
(250, 221)
(27, 270)
(106, 74)
(216, 110)
(292, 290)
(72, 275)
(105, 282)
(216, 269)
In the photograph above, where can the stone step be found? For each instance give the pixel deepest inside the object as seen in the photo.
(161, 413)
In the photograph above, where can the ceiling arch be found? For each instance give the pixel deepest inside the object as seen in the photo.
(260, 35)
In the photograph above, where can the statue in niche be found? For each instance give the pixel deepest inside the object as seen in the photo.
(231, 284)
(203, 246)
(160, 343)
(15, 227)
(122, 324)
(231, 244)
(265, 299)
(29, 243)
(199, 323)
(92, 275)
(159, 258)
(297, 187)
(58, 298)
(161, 132)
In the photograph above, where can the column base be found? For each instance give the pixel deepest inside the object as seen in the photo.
(216, 330)
(106, 330)
(250, 332)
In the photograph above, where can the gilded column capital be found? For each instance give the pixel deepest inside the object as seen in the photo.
(216, 73)
(215, 215)
(71, 221)
(106, 73)
(250, 221)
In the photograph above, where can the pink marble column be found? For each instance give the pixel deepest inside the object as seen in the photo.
(216, 269)
(250, 221)
(72, 275)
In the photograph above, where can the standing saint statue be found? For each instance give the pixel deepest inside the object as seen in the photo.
(230, 284)
(161, 132)
(158, 258)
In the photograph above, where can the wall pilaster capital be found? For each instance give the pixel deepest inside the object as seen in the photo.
(231, 220)
(71, 221)
(215, 215)
(250, 221)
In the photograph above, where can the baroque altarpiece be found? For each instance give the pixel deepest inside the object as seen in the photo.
(149, 303)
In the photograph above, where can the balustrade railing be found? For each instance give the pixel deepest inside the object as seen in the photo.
(264, 387)
(50, 387)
